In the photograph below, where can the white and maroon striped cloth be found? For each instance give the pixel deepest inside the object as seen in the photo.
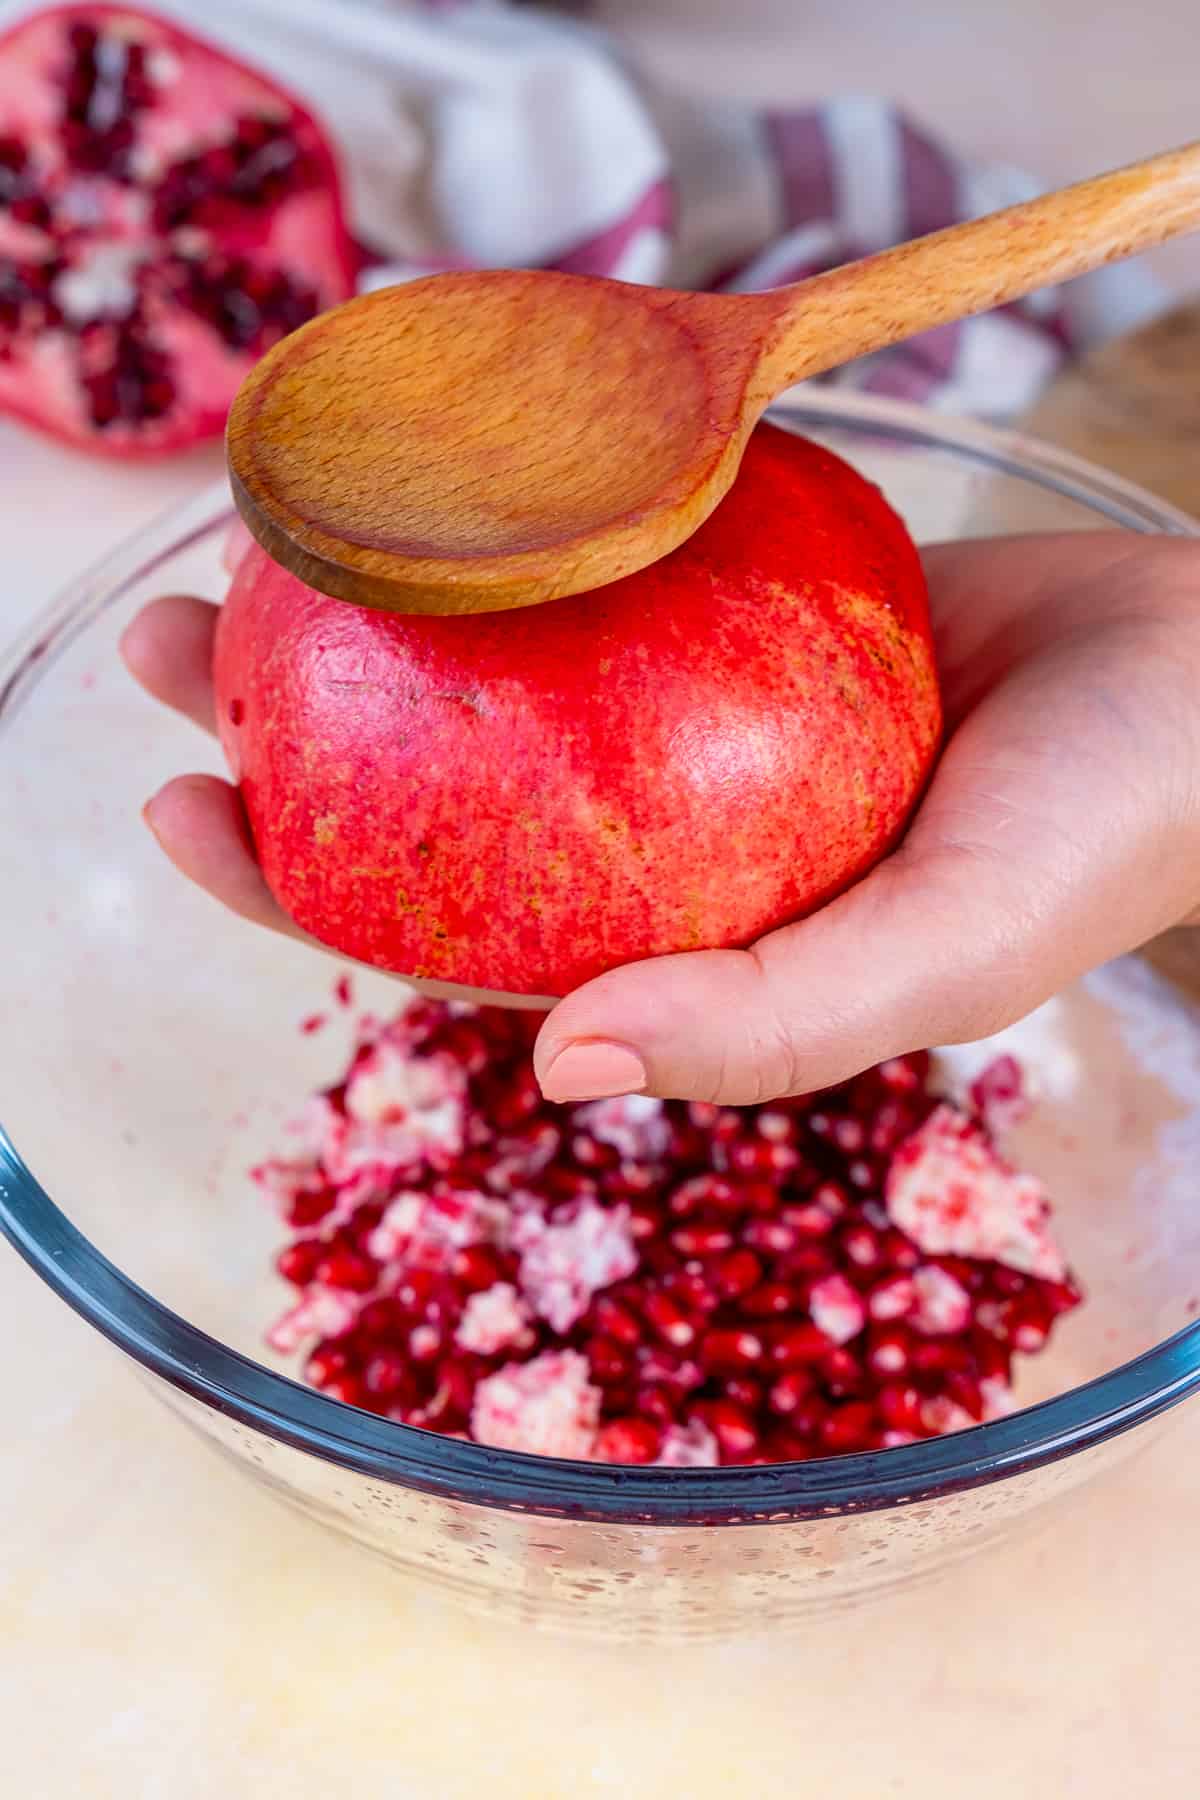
(476, 134)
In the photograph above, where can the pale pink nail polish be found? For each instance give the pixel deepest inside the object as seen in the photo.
(594, 1070)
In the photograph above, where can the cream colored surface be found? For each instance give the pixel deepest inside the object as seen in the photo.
(169, 1633)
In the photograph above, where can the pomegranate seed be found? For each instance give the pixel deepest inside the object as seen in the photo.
(786, 1393)
(616, 1321)
(737, 1274)
(773, 1236)
(862, 1246)
(476, 1267)
(344, 1269)
(892, 1298)
(811, 1220)
(795, 1346)
(731, 1350)
(628, 1440)
(326, 1363)
(965, 1391)
(937, 1356)
(658, 1404)
(771, 1300)
(645, 1219)
(731, 1425)
(841, 1372)
(701, 1240)
(608, 1360)
(347, 1388)
(743, 1392)
(382, 1318)
(385, 1374)
(832, 1199)
(848, 1428)
(669, 1320)
(889, 1351)
(899, 1406)
(298, 1262)
(692, 1197)
(310, 1209)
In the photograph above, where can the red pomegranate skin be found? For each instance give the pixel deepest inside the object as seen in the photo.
(681, 760)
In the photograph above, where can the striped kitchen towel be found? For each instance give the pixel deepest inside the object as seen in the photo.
(477, 133)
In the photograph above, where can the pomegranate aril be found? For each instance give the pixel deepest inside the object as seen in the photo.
(386, 1374)
(811, 1220)
(731, 1425)
(476, 1267)
(965, 1391)
(615, 1320)
(657, 1403)
(730, 1350)
(848, 1428)
(862, 1247)
(298, 1262)
(796, 1345)
(325, 1364)
(771, 1236)
(737, 1274)
(628, 1440)
(701, 1240)
(889, 1351)
(382, 1318)
(743, 1392)
(937, 1356)
(891, 1298)
(771, 1300)
(342, 1268)
(789, 1390)
(347, 1388)
(841, 1373)
(669, 1320)
(701, 1193)
(899, 1406)
(608, 1360)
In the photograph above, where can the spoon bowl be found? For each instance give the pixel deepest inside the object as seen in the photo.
(486, 440)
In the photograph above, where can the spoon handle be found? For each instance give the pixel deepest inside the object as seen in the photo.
(863, 306)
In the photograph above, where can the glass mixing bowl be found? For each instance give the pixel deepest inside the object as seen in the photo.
(151, 1054)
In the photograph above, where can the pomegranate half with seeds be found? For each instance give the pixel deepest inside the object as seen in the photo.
(166, 215)
(517, 801)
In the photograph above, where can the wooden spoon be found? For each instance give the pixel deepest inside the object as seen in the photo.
(478, 441)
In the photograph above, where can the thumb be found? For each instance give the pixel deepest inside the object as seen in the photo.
(907, 959)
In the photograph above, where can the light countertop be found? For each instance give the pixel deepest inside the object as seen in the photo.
(170, 1633)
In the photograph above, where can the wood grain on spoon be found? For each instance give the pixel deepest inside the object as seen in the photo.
(478, 441)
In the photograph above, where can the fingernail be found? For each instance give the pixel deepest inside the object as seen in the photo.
(594, 1070)
(148, 814)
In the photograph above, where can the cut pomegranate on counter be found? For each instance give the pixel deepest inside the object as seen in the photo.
(166, 215)
(639, 1281)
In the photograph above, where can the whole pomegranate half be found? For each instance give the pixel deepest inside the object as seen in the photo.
(516, 801)
(165, 216)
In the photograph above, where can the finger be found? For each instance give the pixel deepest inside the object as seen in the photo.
(201, 825)
(168, 648)
(870, 976)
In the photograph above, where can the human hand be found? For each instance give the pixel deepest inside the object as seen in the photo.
(1062, 827)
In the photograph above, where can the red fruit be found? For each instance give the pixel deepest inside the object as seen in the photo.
(786, 1394)
(775, 667)
(737, 1274)
(899, 1406)
(166, 214)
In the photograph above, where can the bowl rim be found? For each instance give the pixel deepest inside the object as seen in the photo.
(218, 1377)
